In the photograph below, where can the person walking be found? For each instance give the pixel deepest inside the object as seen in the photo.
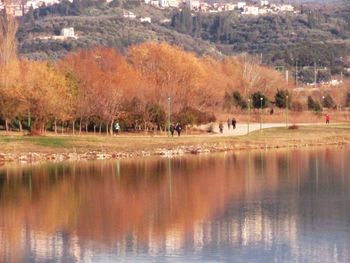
(117, 127)
(234, 123)
(328, 118)
(178, 128)
(221, 127)
(228, 123)
(172, 129)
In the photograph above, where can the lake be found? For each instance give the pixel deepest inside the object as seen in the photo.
(262, 206)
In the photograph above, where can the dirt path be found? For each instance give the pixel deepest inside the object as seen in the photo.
(242, 129)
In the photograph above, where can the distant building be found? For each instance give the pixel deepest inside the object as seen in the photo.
(174, 3)
(251, 10)
(241, 5)
(128, 14)
(287, 8)
(163, 3)
(230, 7)
(146, 20)
(193, 4)
(68, 32)
(155, 3)
(264, 3)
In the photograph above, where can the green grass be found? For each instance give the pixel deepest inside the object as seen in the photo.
(132, 142)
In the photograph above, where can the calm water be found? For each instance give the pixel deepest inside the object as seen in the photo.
(277, 206)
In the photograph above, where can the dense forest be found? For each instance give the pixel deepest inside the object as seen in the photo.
(283, 40)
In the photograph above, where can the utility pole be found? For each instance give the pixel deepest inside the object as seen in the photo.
(296, 73)
(169, 113)
(248, 116)
(315, 75)
(261, 107)
(287, 108)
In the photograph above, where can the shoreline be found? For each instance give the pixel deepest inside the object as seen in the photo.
(124, 147)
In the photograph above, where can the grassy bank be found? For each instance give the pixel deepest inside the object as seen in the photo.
(13, 146)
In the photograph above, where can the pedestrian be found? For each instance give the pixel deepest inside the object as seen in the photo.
(234, 123)
(117, 127)
(172, 129)
(221, 127)
(178, 128)
(328, 118)
(228, 123)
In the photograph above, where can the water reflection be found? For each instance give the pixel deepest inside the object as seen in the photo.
(281, 206)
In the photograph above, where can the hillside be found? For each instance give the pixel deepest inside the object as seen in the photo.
(101, 26)
(320, 36)
(314, 35)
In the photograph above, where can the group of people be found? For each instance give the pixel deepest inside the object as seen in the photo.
(230, 122)
(175, 127)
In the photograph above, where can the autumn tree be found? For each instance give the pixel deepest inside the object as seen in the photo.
(44, 93)
(9, 69)
(105, 80)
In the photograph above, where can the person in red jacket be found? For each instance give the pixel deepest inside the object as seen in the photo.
(328, 118)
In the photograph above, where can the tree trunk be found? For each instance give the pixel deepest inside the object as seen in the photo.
(20, 126)
(111, 128)
(73, 127)
(62, 127)
(107, 129)
(100, 128)
(55, 123)
(80, 126)
(86, 127)
(94, 129)
(7, 125)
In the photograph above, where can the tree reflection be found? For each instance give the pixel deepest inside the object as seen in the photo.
(159, 203)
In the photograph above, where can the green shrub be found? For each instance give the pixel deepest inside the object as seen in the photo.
(259, 100)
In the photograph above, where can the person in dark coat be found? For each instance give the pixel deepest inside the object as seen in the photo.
(172, 129)
(221, 127)
(234, 123)
(178, 129)
(229, 123)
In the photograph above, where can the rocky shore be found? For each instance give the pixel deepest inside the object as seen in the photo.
(35, 157)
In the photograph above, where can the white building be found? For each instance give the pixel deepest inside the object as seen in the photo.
(155, 3)
(163, 3)
(251, 10)
(68, 32)
(230, 7)
(174, 3)
(193, 4)
(128, 14)
(264, 3)
(287, 8)
(146, 19)
(241, 5)
(263, 11)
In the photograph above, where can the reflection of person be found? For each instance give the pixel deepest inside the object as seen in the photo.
(221, 127)
(328, 118)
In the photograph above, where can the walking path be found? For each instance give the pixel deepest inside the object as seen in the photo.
(242, 128)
